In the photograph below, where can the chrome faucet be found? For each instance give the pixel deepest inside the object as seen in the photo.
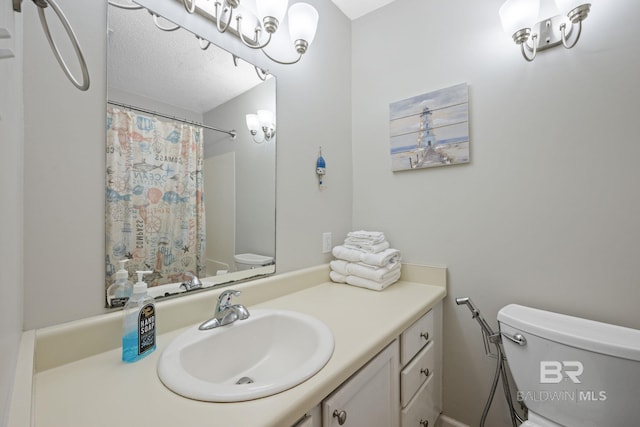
(193, 283)
(226, 313)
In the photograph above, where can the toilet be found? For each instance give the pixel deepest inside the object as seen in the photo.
(571, 371)
(248, 261)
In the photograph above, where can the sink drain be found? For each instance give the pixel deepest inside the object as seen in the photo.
(244, 380)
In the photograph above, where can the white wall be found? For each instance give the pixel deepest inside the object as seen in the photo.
(547, 213)
(64, 171)
(11, 187)
(255, 169)
(64, 161)
(220, 206)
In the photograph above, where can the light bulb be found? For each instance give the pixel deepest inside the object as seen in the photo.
(567, 6)
(303, 22)
(265, 118)
(252, 122)
(273, 8)
(516, 15)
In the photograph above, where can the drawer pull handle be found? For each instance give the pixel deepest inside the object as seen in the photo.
(424, 423)
(341, 416)
(425, 335)
(425, 371)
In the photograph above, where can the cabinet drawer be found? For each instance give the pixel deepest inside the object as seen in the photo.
(415, 337)
(422, 410)
(416, 373)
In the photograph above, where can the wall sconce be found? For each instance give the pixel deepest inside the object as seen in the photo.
(269, 14)
(262, 126)
(517, 17)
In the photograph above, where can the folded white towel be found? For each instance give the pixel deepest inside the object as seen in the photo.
(340, 266)
(386, 258)
(372, 284)
(378, 274)
(367, 247)
(346, 254)
(337, 277)
(373, 236)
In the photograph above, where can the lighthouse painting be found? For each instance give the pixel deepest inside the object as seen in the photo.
(430, 130)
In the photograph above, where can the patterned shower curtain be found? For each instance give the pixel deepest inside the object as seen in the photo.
(154, 197)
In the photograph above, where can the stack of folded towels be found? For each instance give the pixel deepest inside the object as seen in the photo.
(366, 259)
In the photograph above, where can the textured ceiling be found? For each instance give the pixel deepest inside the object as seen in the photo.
(170, 66)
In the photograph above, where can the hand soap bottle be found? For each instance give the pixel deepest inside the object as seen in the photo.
(120, 291)
(139, 334)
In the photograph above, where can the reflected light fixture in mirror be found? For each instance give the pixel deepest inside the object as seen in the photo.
(267, 17)
(520, 20)
(262, 126)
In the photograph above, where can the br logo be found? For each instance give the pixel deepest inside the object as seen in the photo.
(552, 371)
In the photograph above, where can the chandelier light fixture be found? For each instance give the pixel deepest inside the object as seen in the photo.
(256, 27)
(521, 21)
(262, 126)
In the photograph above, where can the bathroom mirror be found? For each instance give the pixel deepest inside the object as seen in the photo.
(170, 210)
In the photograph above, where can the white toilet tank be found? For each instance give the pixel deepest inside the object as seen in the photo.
(572, 371)
(248, 261)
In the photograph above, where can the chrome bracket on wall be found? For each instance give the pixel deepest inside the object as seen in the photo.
(548, 31)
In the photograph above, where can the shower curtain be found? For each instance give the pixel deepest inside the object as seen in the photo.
(154, 197)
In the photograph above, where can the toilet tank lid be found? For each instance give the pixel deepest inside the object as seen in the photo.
(255, 259)
(586, 334)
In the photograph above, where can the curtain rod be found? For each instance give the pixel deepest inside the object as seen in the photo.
(232, 133)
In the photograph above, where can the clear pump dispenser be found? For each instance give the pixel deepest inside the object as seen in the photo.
(139, 326)
(120, 291)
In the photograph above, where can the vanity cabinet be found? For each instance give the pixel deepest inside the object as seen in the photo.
(421, 370)
(370, 397)
(401, 386)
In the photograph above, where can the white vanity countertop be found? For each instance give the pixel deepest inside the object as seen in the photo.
(101, 390)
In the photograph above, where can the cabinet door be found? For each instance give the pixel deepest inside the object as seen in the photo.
(370, 397)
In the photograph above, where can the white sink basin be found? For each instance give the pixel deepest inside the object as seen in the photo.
(271, 351)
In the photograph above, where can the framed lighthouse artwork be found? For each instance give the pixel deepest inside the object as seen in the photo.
(430, 130)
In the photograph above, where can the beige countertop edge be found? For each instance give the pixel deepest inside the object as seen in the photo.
(59, 385)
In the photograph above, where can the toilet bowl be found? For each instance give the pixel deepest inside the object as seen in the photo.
(248, 261)
(571, 371)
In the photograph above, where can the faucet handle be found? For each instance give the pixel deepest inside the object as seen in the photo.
(224, 300)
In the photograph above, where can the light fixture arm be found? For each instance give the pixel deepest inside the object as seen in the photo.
(204, 44)
(125, 6)
(229, 11)
(282, 62)
(262, 74)
(301, 48)
(564, 37)
(524, 47)
(253, 44)
(167, 29)
(189, 5)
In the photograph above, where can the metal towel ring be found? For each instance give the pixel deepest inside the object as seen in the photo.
(65, 23)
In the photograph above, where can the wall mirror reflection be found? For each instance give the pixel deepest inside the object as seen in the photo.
(185, 199)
